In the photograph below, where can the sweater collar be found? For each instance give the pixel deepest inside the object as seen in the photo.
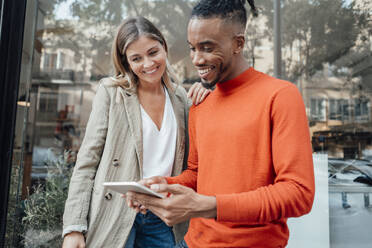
(230, 85)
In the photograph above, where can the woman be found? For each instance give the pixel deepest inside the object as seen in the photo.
(137, 129)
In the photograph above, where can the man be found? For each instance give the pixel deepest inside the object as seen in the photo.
(250, 163)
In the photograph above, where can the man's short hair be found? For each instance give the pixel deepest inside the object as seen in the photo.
(230, 10)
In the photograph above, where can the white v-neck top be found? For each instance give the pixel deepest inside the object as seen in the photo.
(159, 146)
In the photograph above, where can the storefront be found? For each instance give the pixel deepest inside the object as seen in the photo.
(53, 53)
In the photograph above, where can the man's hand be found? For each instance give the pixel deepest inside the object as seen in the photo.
(153, 180)
(74, 240)
(182, 204)
(146, 182)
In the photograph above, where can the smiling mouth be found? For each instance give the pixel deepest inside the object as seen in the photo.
(151, 71)
(205, 71)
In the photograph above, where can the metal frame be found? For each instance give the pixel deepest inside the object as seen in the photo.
(12, 18)
(277, 39)
(347, 188)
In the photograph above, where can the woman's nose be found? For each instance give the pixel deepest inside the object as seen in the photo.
(147, 62)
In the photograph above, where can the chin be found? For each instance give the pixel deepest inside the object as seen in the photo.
(209, 85)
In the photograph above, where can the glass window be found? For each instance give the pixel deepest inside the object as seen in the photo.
(326, 52)
(327, 49)
(66, 52)
(318, 109)
(338, 109)
(362, 109)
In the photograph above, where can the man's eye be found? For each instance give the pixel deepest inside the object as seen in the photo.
(192, 49)
(207, 49)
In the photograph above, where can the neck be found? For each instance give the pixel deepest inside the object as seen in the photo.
(240, 65)
(150, 88)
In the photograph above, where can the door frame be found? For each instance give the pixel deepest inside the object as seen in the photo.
(12, 18)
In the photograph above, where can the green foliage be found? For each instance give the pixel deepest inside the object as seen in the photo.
(322, 31)
(171, 17)
(44, 208)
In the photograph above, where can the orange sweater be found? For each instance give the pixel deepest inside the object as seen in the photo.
(249, 147)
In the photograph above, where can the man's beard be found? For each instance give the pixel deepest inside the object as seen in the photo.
(211, 85)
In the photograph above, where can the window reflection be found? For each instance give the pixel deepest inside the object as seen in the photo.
(328, 54)
(326, 50)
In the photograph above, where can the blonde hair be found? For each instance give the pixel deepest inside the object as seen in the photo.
(128, 32)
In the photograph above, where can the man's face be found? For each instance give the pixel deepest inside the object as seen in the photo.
(211, 49)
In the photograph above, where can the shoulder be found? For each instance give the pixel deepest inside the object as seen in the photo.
(106, 91)
(108, 86)
(108, 83)
(286, 90)
(180, 92)
(286, 99)
(270, 88)
(273, 84)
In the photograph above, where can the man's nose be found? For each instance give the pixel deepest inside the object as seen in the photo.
(197, 59)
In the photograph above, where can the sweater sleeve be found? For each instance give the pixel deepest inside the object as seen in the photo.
(292, 192)
(189, 176)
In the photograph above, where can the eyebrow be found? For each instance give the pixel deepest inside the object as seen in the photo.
(206, 42)
(136, 54)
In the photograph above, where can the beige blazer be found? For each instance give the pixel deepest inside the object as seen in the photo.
(112, 151)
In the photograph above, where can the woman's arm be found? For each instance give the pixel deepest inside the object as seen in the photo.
(82, 180)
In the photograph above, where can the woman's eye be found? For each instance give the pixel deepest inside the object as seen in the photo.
(135, 59)
(153, 52)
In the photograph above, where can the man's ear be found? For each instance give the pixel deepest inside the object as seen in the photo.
(239, 41)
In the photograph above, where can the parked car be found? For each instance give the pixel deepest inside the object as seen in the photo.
(350, 211)
(42, 157)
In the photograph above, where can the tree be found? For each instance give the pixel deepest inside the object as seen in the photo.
(170, 17)
(316, 32)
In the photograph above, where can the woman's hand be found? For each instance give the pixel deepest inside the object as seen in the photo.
(197, 93)
(74, 240)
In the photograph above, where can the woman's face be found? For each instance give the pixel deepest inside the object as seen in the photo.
(147, 59)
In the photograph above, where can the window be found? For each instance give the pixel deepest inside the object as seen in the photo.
(318, 109)
(362, 109)
(326, 51)
(339, 109)
(50, 61)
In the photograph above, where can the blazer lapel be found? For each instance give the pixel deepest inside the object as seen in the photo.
(133, 111)
(179, 112)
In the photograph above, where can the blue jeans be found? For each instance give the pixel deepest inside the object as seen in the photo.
(148, 230)
(181, 244)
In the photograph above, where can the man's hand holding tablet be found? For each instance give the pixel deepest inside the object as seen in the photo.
(124, 187)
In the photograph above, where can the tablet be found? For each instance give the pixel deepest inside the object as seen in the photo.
(124, 187)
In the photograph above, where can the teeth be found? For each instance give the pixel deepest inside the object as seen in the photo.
(152, 71)
(204, 71)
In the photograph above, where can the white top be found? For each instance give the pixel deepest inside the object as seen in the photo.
(159, 146)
